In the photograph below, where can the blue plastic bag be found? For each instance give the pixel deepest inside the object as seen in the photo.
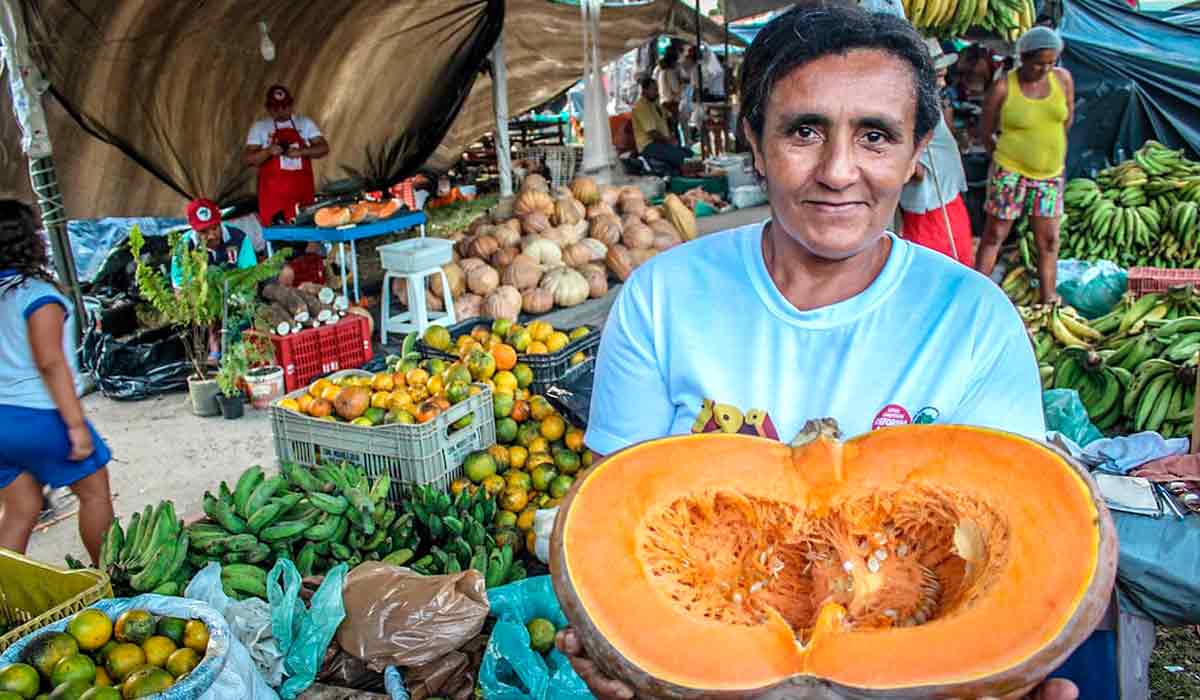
(225, 672)
(1065, 414)
(511, 670)
(1093, 288)
(303, 633)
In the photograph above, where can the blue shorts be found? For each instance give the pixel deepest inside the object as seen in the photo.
(35, 440)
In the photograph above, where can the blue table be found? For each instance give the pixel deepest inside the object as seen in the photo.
(342, 235)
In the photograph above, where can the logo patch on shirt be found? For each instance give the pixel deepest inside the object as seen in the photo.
(889, 415)
(726, 418)
(926, 415)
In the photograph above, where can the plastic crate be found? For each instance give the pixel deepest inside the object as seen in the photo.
(1143, 280)
(416, 454)
(415, 254)
(712, 185)
(315, 352)
(548, 369)
(559, 160)
(33, 594)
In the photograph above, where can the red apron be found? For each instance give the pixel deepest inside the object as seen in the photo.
(280, 190)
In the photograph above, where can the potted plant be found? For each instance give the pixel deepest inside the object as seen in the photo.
(234, 364)
(195, 305)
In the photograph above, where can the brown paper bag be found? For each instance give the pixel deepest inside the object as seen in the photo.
(395, 617)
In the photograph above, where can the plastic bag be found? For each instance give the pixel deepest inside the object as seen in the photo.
(249, 621)
(543, 527)
(343, 670)
(396, 617)
(1158, 573)
(303, 633)
(1093, 288)
(1065, 414)
(225, 672)
(1122, 454)
(511, 670)
(451, 677)
(146, 365)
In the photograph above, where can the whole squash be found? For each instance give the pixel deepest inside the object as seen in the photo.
(467, 306)
(503, 258)
(619, 261)
(585, 190)
(565, 213)
(483, 279)
(919, 561)
(680, 216)
(504, 302)
(606, 229)
(597, 279)
(536, 300)
(530, 201)
(637, 236)
(535, 183)
(523, 272)
(535, 224)
(568, 286)
(508, 236)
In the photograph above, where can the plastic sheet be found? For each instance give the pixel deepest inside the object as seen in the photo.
(1136, 78)
(226, 671)
(303, 632)
(511, 670)
(1093, 288)
(249, 621)
(395, 617)
(1065, 414)
(1158, 573)
(574, 397)
(148, 364)
(93, 241)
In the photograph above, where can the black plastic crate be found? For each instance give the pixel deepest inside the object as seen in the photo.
(548, 369)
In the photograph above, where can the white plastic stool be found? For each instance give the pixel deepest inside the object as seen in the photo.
(417, 317)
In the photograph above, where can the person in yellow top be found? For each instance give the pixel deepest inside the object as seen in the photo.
(1032, 107)
(651, 131)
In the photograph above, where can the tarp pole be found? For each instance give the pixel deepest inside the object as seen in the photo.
(26, 83)
(500, 104)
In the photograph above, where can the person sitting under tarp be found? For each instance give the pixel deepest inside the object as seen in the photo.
(651, 131)
(226, 246)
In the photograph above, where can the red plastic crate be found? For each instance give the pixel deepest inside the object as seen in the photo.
(315, 352)
(1143, 280)
(308, 267)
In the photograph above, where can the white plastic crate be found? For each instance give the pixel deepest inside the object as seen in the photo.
(416, 454)
(559, 160)
(748, 196)
(415, 254)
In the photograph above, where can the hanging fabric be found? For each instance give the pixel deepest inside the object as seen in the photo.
(599, 156)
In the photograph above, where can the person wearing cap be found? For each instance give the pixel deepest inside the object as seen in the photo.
(931, 204)
(225, 245)
(283, 147)
(1032, 107)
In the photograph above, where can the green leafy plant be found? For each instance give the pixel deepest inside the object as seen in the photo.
(198, 302)
(237, 361)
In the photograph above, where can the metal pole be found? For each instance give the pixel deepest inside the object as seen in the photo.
(500, 105)
(26, 83)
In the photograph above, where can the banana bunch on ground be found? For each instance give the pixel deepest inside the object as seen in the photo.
(1052, 329)
(1101, 386)
(1161, 397)
(455, 527)
(952, 18)
(1142, 212)
(1021, 285)
(318, 518)
(148, 556)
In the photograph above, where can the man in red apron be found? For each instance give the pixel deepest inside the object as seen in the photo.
(282, 148)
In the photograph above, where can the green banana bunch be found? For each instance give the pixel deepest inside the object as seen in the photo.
(150, 555)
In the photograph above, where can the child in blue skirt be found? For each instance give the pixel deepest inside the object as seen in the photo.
(44, 437)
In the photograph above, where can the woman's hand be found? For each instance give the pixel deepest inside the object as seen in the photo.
(603, 687)
(606, 688)
(81, 443)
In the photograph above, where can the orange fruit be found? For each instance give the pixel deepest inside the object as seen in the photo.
(493, 484)
(505, 381)
(437, 337)
(318, 387)
(553, 427)
(537, 347)
(304, 401)
(524, 375)
(513, 499)
(517, 455)
(330, 392)
(195, 636)
(435, 385)
(556, 341)
(458, 485)
(516, 478)
(123, 660)
(540, 408)
(538, 444)
(157, 649)
(381, 399)
(398, 381)
(505, 356)
(91, 629)
(383, 381)
(531, 540)
(520, 411)
(578, 358)
(540, 330)
(574, 439)
(525, 519)
(416, 377)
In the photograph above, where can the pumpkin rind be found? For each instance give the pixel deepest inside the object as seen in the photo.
(1039, 597)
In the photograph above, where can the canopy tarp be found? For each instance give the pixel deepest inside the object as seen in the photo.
(170, 89)
(544, 46)
(1137, 77)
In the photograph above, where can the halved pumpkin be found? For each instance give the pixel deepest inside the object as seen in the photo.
(911, 562)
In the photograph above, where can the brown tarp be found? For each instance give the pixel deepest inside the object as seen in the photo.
(171, 88)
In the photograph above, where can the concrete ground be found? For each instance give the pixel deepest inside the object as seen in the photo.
(160, 450)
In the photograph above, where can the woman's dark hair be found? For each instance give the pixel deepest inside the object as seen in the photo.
(825, 28)
(646, 81)
(21, 246)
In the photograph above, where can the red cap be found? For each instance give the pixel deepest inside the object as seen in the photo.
(202, 214)
(278, 96)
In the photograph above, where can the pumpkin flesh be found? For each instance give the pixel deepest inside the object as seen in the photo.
(952, 560)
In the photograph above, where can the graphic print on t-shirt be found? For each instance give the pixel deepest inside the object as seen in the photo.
(726, 418)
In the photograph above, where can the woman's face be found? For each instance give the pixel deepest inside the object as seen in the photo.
(836, 149)
(1036, 64)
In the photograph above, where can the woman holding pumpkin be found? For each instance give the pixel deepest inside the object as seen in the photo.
(819, 311)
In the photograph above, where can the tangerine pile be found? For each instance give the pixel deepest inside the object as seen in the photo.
(96, 658)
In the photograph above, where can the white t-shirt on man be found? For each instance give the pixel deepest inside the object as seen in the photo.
(929, 340)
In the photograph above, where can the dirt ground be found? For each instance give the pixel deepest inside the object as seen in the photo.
(160, 450)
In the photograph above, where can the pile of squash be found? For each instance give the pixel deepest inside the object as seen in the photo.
(556, 248)
(921, 561)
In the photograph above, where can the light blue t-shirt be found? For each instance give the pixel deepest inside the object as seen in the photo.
(928, 341)
(20, 382)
